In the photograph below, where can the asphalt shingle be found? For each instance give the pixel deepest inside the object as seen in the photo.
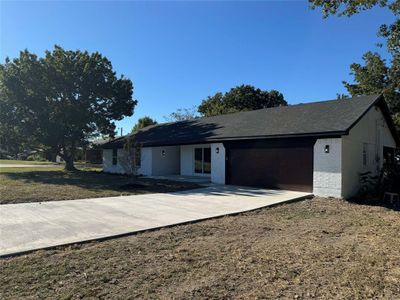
(333, 117)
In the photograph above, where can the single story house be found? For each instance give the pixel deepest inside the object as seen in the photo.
(319, 147)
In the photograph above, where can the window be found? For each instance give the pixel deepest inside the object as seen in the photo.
(365, 154)
(198, 160)
(202, 160)
(115, 156)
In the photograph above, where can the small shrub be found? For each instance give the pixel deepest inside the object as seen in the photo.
(373, 188)
(36, 157)
(390, 179)
(368, 185)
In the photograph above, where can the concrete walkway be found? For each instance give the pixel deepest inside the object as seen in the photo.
(30, 226)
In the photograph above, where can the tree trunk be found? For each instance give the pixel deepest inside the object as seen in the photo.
(69, 164)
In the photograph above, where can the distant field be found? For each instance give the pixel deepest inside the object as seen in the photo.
(25, 162)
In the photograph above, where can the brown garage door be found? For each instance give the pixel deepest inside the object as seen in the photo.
(281, 164)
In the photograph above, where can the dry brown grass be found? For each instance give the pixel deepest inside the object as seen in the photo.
(319, 248)
(19, 185)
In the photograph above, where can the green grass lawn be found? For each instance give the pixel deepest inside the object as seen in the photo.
(25, 162)
(18, 185)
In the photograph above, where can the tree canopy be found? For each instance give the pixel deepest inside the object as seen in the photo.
(182, 114)
(63, 99)
(143, 122)
(240, 98)
(350, 7)
(376, 75)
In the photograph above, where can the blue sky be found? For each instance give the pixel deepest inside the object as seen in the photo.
(178, 53)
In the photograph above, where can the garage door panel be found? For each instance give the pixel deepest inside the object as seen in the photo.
(289, 167)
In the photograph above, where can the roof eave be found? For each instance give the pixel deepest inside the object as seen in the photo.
(328, 134)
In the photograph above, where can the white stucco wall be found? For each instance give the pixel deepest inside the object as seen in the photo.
(337, 173)
(146, 161)
(327, 176)
(187, 159)
(153, 162)
(107, 159)
(167, 164)
(372, 129)
(107, 162)
(218, 163)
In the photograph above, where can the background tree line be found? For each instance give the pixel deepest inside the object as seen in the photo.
(239, 98)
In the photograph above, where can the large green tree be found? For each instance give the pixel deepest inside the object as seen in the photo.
(63, 99)
(240, 98)
(143, 122)
(376, 75)
(11, 141)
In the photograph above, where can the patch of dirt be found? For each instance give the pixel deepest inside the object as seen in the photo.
(319, 248)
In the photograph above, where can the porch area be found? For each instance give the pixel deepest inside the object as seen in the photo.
(201, 163)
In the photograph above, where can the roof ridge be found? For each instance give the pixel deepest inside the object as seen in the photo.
(271, 108)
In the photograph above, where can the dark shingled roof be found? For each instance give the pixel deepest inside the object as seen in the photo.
(325, 118)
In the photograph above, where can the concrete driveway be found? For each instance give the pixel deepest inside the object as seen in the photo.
(31, 226)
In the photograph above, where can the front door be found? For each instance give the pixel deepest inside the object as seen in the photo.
(202, 160)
